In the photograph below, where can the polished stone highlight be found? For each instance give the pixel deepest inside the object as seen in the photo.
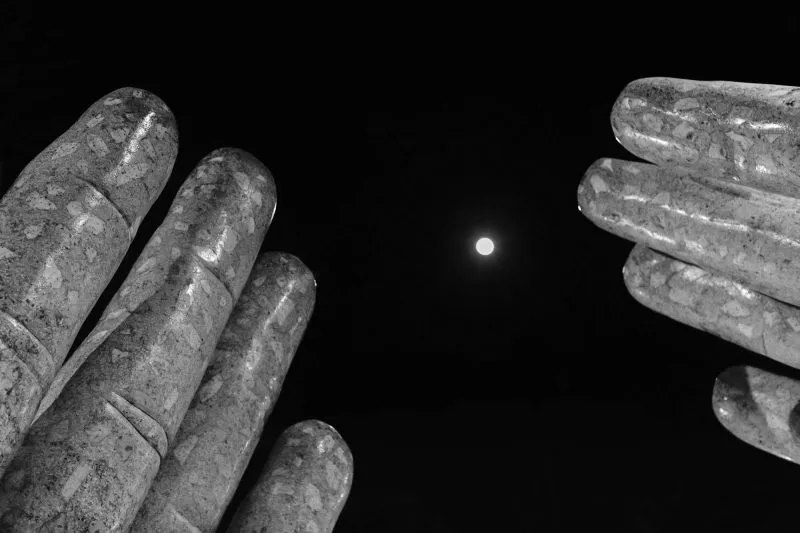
(303, 486)
(750, 236)
(220, 431)
(745, 132)
(88, 461)
(760, 408)
(65, 225)
(729, 310)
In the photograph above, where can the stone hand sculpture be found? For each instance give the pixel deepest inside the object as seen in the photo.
(716, 219)
(151, 423)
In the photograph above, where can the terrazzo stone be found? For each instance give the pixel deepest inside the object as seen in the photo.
(750, 236)
(303, 486)
(760, 408)
(220, 431)
(65, 225)
(226, 170)
(745, 132)
(88, 461)
(716, 304)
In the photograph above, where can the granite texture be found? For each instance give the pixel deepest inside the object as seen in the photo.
(745, 132)
(191, 227)
(760, 408)
(220, 431)
(303, 486)
(750, 236)
(723, 200)
(65, 225)
(88, 461)
(716, 304)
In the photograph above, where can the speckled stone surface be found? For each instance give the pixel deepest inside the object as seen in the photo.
(716, 304)
(88, 461)
(65, 225)
(303, 486)
(750, 236)
(220, 431)
(191, 227)
(731, 130)
(760, 408)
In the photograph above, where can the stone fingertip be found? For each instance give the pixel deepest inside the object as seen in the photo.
(248, 159)
(292, 274)
(147, 98)
(252, 160)
(131, 142)
(631, 271)
(298, 270)
(316, 426)
(620, 104)
(731, 383)
(580, 197)
(731, 398)
(760, 408)
(143, 97)
(598, 181)
(584, 193)
(261, 175)
(635, 274)
(312, 465)
(327, 442)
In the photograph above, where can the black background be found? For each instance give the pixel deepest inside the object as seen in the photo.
(525, 391)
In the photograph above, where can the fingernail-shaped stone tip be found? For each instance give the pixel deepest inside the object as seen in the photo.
(138, 92)
(297, 265)
(595, 181)
(584, 191)
(638, 258)
(634, 274)
(620, 102)
(328, 440)
(299, 276)
(581, 195)
(317, 425)
(246, 157)
(148, 99)
(310, 459)
(759, 408)
(730, 386)
(630, 273)
(125, 144)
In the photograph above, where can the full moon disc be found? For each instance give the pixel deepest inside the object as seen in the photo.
(485, 246)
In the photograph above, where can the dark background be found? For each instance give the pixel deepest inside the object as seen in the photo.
(525, 391)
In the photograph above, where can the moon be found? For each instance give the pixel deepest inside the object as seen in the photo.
(485, 246)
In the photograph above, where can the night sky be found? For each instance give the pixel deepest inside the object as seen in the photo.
(523, 391)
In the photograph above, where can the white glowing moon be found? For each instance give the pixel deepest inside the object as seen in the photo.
(485, 246)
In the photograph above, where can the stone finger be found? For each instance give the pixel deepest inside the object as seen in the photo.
(90, 458)
(303, 486)
(745, 132)
(714, 303)
(747, 235)
(65, 226)
(760, 408)
(188, 230)
(220, 431)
